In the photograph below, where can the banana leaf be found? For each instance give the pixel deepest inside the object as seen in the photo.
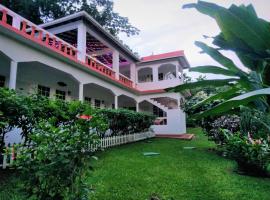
(234, 103)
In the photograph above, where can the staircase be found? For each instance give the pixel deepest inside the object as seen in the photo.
(159, 105)
(166, 102)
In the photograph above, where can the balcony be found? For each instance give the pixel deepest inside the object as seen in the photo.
(31, 31)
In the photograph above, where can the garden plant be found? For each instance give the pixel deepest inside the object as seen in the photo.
(222, 114)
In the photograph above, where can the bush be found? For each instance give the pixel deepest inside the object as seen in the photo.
(252, 156)
(213, 129)
(122, 121)
(57, 163)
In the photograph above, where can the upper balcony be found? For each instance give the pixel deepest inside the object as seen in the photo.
(81, 39)
(161, 71)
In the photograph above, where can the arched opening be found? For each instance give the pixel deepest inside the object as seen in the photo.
(4, 70)
(36, 77)
(166, 72)
(145, 75)
(98, 96)
(161, 115)
(126, 102)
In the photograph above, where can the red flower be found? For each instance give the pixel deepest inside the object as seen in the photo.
(86, 117)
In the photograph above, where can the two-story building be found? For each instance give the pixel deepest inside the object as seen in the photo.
(75, 58)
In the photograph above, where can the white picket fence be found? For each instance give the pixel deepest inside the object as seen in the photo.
(104, 143)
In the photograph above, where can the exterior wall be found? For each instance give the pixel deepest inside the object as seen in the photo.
(38, 67)
(176, 118)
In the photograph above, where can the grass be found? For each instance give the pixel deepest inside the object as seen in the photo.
(123, 173)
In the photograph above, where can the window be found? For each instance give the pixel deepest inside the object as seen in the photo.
(60, 94)
(97, 103)
(160, 76)
(2, 81)
(43, 91)
(88, 100)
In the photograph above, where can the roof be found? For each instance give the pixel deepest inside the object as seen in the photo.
(85, 16)
(178, 55)
(162, 56)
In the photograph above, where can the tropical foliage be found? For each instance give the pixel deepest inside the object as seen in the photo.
(122, 121)
(244, 33)
(24, 112)
(57, 163)
(55, 156)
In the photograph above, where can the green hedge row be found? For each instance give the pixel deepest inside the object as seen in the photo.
(122, 121)
(24, 112)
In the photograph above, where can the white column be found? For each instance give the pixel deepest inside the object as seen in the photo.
(137, 107)
(133, 73)
(116, 102)
(116, 63)
(16, 22)
(81, 91)
(81, 41)
(155, 73)
(13, 75)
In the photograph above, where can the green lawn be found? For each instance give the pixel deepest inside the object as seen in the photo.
(123, 173)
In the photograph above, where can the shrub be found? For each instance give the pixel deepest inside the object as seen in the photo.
(252, 156)
(122, 121)
(213, 129)
(58, 161)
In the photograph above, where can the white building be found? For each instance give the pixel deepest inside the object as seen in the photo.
(75, 58)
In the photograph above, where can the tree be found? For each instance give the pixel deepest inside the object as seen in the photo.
(249, 37)
(40, 11)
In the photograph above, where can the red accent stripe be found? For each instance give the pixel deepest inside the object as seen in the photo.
(163, 56)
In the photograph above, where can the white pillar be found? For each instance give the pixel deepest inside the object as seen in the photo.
(116, 63)
(13, 75)
(80, 91)
(155, 74)
(133, 73)
(137, 107)
(116, 102)
(16, 22)
(81, 41)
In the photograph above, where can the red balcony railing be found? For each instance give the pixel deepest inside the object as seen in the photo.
(125, 80)
(31, 31)
(98, 66)
(24, 27)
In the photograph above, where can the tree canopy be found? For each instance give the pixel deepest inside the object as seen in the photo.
(41, 11)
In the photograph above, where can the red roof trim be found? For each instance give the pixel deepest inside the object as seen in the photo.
(163, 56)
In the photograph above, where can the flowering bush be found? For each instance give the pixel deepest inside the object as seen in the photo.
(213, 129)
(252, 155)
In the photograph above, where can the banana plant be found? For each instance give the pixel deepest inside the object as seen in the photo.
(244, 33)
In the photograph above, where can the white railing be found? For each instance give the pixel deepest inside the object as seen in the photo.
(107, 142)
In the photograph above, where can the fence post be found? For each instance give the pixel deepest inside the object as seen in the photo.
(4, 161)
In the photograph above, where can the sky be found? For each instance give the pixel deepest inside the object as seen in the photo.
(166, 27)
